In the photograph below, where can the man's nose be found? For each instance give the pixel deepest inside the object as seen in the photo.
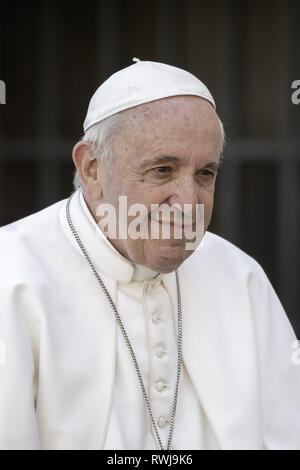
(185, 193)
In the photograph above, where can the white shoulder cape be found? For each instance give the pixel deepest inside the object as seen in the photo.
(58, 335)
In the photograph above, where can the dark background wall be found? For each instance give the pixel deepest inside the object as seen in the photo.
(53, 56)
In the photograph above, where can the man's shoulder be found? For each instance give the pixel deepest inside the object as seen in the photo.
(212, 241)
(26, 241)
(219, 253)
(44, 218)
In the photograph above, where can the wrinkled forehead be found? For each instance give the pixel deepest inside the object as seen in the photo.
(180, 125)
(182, 103)
(184, 112)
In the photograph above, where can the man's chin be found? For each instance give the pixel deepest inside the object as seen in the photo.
(167, 258)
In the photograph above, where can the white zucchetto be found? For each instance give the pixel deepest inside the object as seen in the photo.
(142, 82)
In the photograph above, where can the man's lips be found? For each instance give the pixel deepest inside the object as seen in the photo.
(175, 225)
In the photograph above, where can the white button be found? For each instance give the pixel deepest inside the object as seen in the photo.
(156, 318)
(160, 352)
(162, 422)
(160, 386)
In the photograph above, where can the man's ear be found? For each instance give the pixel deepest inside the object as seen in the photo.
(88, 168)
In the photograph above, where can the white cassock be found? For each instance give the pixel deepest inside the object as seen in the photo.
(66, 377)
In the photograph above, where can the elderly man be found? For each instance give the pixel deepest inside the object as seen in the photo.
(142, 342)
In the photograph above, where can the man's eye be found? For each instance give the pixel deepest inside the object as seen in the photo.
(162, 169)
(206, 173)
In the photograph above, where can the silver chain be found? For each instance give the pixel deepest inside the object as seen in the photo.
(119, 321)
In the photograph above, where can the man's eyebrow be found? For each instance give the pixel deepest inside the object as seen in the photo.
(161, 159)
(212, 165)
(171, 159)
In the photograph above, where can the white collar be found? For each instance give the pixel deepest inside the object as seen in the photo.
(102, 253)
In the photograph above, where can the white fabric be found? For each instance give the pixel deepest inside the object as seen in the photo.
(59, 385)
(140, 83)
(150, 320)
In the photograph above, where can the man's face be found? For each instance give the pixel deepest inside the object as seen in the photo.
(167, 153)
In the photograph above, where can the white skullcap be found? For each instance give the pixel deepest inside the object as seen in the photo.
(140, 83)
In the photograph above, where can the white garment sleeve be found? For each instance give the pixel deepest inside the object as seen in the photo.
(18, 360)
(279, 372)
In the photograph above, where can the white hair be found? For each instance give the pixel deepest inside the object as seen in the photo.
(101, 134)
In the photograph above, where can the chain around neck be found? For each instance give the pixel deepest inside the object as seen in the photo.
(132, 354)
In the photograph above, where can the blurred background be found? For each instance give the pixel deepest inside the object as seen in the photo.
(54, 54)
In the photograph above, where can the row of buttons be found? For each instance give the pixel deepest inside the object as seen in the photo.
(160, 386)
(160, 352)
